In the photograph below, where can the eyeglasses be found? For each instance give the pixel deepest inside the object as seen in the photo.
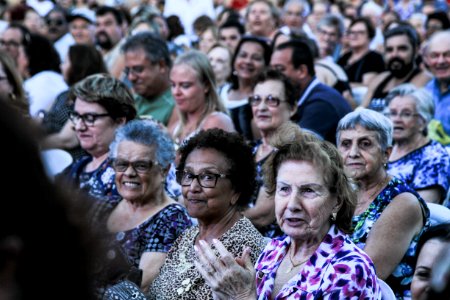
(270, 100)
(404, 115)
(8, 44)
(140, 166)
(206, 180)
(136, 70)
(88, 119)
(327, 33)
(55, 22)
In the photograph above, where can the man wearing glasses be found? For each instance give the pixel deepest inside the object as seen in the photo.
(58, 31)
(13, 39)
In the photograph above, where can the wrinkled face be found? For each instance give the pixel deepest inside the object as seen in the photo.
(358, 36)
(57, 25)
(399, 54)
(135, 185)
(108, 33)
(82, 31)
(361, 153)
(303, 203)
(269, 118)
(249, 61)
(422, 275)
(147, 78)
(11, 41)
(188, 91)
(230, 36)
(281, 61)
(94, 139)
(438, 58)
(220, 60)
(260, 20)
(208, 204)
(293, 16)
(403, 114)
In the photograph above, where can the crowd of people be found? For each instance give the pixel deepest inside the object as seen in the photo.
(225, 149)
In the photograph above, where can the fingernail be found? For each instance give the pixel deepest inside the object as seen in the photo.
(203, 243)
(215, 241)
(196, 248)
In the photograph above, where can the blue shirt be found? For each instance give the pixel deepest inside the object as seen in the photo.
(441, 103)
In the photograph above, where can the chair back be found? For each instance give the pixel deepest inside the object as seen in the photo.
(386, 292)
(438, 214)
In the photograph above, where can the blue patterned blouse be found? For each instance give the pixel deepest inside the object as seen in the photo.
(400, 279)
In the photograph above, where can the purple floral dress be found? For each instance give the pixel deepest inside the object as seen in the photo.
(337, 270)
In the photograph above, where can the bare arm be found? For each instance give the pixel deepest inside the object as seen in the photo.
(372, 87)
(368, 77)
(433, 195)
(392, 233)
(263, 213)
(150, 263)
(64, 139)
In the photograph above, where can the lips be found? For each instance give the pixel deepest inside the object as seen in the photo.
(293, 221)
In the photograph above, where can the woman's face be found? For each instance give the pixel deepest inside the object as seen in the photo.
(268, 118)
(208, 205)
(249, 61)
(403, 114)
(95, 139)
(260, 20)
(5, 86)
(144, 183)
(422, 275)
(187, 90)
(220, 60)
(358, 36)
(65, 67)
(82, 31)
(361, 152)
(207, 39)
(303, 202)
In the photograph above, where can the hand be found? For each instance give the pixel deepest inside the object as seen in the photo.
(228, 277)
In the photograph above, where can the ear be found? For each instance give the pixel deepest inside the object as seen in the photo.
(387, 153)
(165, 171)
(293, 110)
(121, 121)
(302, 72)
(235, 198)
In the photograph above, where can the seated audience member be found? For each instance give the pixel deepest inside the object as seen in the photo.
(314, 205)
(262, 18)
(144, 219)
(230, 34)
(11, 86)
(81, 61)
(273, 103)
(251, 57)
(101, 105)
(196, 98)
(220, 59)
(390, 216)
(217, 175)
(433, 243)
(421, 163)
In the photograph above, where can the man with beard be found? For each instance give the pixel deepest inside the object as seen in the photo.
(108, 35)
(400, 53)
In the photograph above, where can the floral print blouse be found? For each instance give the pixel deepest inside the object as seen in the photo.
(400, 279)
(424, 167)
(337, 270)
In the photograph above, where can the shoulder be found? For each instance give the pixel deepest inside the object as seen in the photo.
(421, 79)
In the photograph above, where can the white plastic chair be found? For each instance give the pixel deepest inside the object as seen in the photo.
(438, 214)
(55, 161)
(386, 292)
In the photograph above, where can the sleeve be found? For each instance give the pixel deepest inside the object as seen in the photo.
(170, 224)
(314, 115)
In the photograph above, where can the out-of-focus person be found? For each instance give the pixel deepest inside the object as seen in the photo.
(432, 243)
(314, 204)
(217, 175)
(230, 34)
(262, 18)
(82, 25)
(219, 57)
(390, 216)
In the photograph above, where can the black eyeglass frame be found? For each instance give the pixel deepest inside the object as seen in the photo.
(88, 118)
(180, 174)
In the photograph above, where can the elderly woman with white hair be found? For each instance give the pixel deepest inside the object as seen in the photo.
(390, 216)
(422, 163)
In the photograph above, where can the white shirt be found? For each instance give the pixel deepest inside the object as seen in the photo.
(62, 45)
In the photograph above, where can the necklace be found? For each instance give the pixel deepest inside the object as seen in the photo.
(294, 265)
(378, 186)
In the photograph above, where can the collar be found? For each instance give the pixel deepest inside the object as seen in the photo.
(312, 84)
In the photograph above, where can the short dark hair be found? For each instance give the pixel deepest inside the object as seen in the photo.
(441, 16)
(233, 24)
(85, 60)
(239, 155)
(103, 10)
(155, 48)
(302, 54)
(42, 55)
(367, 23)
(407, 30)
(289, 89)
(440, 232)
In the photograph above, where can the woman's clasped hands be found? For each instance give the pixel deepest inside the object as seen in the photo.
(228, 277)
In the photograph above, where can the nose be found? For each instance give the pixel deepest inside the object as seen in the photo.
(354, 150)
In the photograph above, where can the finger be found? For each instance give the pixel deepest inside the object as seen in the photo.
(208, 276)
(226, 257)
(245, 260)
(203, 258)
(208, 253)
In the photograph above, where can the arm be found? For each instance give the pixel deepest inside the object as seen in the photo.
(263, 213)
(218, 120)
(64, 139)
(372, 87)
(150, 264)
(368, 78)
(432, 195)
(392, 233)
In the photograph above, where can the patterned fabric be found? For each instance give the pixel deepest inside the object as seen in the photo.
(179, 279)
(425, 167)
(99, 183)
(272, 230)
(337, 270)
(400, 279)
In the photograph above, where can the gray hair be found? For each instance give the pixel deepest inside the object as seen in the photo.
(334, 21)
(306, 8)
(400, 90)
(370, 120)
(147, 133)
(155, 48)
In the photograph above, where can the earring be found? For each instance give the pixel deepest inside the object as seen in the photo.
(235, 73)
(12, 96)
(333, 217)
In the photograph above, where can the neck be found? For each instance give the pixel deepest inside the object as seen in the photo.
(97, 160)
(209, 230)
(154, 200)
(404, 146)
(303, 249)
(359, 52)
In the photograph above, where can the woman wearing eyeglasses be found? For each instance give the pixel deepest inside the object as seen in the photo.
(217, 175)
(422, 163)
(144, 220)
(101, 105)
(273, 103)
